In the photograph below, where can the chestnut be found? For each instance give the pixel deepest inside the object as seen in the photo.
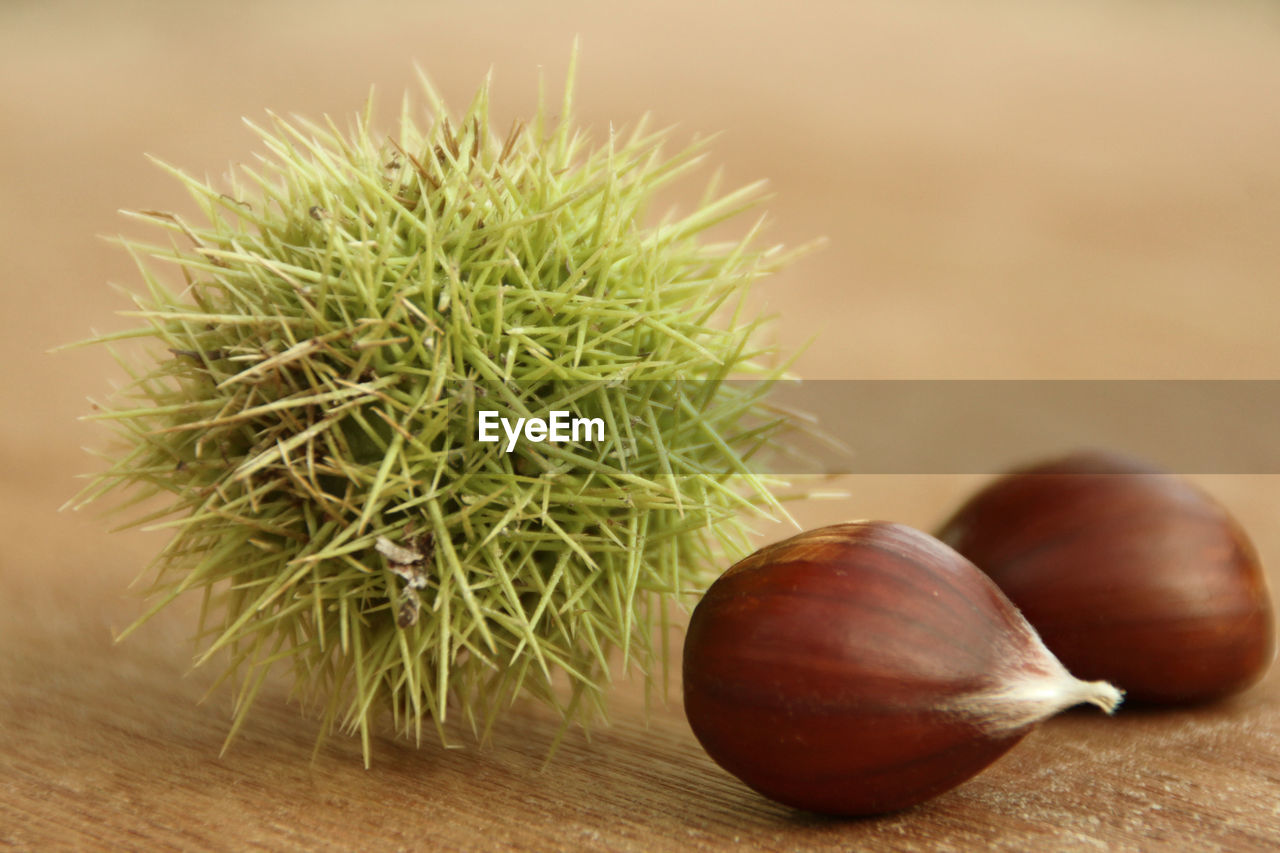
(1129, 574)
(863, 668)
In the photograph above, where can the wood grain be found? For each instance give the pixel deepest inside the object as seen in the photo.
(1069, 190)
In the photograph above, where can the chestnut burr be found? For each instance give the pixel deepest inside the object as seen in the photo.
(1128, 573)
(863, 668)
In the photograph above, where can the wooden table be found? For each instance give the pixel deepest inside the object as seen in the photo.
(1079, 190)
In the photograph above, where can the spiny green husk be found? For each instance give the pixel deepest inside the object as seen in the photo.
(307, 417)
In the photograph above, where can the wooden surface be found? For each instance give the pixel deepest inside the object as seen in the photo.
(1082, 190)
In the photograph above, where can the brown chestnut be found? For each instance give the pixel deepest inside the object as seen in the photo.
(863, 668)
(1128, 573)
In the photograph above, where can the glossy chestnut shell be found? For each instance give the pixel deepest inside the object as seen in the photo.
(846, 670)
(1129, 574)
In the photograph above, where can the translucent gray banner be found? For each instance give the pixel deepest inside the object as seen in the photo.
(986, 426)
(906, 426)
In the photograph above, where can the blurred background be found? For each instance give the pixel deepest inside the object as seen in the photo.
(1082, 190)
